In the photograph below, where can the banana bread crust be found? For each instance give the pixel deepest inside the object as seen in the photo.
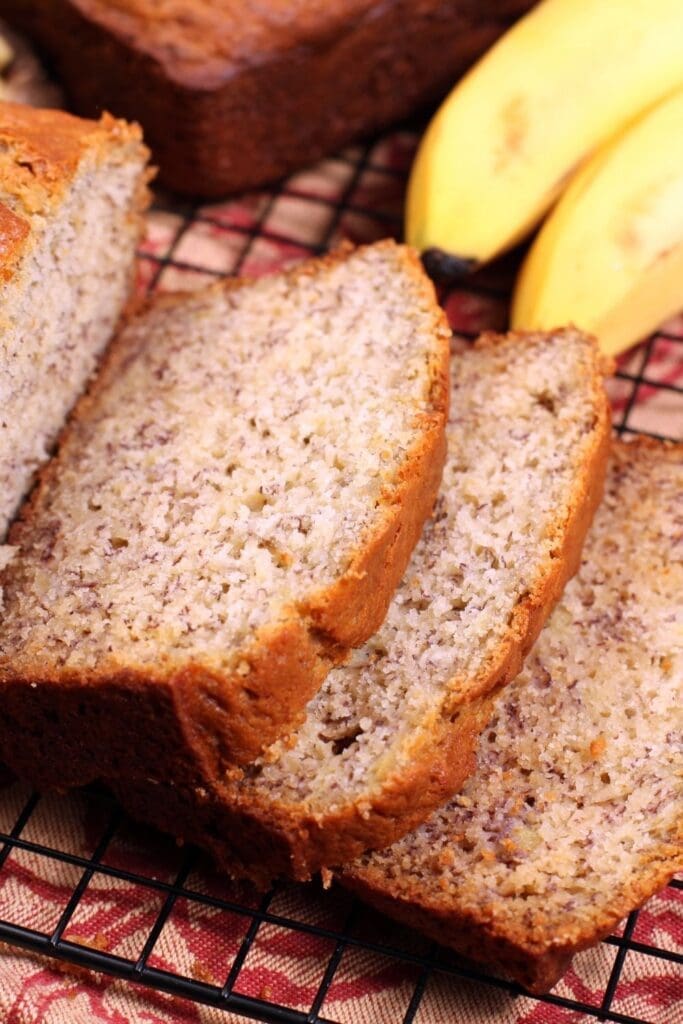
(535, 965)
(229, 102)
(261, 841)
(47, 147)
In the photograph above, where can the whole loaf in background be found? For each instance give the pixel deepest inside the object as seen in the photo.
(231, 97)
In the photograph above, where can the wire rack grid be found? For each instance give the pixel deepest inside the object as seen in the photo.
(99, 894)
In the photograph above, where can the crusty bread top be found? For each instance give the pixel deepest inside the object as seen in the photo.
(240, 454)
(575, 814)
(206, 40)
(40, 152)
(202, 44)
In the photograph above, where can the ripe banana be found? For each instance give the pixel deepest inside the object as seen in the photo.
(559, 83)
(609, 258)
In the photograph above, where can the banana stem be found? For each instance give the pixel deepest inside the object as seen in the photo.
(445, 268)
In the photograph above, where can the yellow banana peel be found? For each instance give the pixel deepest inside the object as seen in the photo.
(609, 258)
(557, 85)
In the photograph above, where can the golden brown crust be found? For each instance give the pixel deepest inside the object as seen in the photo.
(261, 841)
(40, 152)
(46, 147)
(228, 102)
(536, 964)
(49, 144)
(13, 233)
(229, 719)
(295, 842)
(471, 936)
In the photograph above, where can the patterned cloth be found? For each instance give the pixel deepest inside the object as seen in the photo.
(358, 195)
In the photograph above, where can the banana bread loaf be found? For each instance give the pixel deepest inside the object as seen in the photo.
(574, 816)
(72, 193)
(230, 510)
(233, 95)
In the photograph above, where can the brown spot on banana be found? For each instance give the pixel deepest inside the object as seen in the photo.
(514, 118)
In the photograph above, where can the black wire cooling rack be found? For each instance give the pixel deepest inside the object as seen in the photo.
(357, 194)
(346, 927)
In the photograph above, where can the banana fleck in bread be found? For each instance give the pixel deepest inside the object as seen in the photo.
(232, 95)
(230, 510)
(574, 816)
(71, 197)
(391, 735)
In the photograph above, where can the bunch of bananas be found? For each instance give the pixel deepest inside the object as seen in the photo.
(578, 110)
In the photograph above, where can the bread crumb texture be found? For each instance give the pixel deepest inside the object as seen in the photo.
(71, 193)
(574, 814)
(523, 421)
(240, 448)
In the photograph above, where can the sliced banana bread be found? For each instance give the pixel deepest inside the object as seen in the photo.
(230, 511)
(71, 197)
(391, 735)
(575, 814)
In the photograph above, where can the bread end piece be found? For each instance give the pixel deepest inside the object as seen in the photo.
(72, 195)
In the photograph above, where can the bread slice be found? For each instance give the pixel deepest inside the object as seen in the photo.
(230, 511)
(71, 197)
(575, 814)
(391, 735)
